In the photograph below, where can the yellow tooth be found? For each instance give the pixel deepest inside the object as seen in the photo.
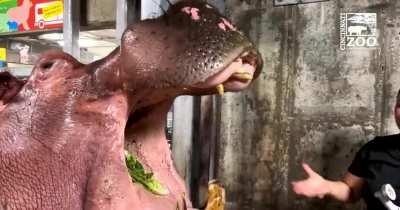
(243, 76)
(220, 89)
(240, 71)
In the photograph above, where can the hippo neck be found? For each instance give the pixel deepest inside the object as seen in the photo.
(146, 134)
(146, 139)
(107, 71)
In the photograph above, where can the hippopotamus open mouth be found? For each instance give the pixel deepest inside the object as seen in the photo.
(63, 132)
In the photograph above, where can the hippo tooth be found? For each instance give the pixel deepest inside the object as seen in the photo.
(220, 89)
(240, 71)
(243, 76)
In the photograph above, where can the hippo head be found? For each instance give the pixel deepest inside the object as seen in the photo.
(63, 132)
(190, 50)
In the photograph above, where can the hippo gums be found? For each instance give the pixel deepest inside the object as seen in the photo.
(64, 130)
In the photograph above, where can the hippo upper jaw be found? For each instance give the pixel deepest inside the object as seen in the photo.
(233, 77)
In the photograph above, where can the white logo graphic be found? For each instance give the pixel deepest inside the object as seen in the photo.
(387, 195)
(358, 30)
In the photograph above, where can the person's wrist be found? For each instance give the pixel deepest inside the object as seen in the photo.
(328, 187)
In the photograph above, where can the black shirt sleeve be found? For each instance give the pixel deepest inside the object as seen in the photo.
(359, 165)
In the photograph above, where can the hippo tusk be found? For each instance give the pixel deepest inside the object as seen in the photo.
(243, 76)
(220, 89)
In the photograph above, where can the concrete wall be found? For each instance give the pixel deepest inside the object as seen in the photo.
(100, 11)
(312, 103)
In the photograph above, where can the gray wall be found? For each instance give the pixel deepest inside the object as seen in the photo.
(101, 11)
(312, 103)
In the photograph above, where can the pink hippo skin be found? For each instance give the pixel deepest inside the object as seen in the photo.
(224, 24)
(64, 130)
(193, 12)
(20, 14)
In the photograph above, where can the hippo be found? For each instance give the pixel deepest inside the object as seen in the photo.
(64, 129)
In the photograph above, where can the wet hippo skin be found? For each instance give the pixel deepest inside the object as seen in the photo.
(63, 131)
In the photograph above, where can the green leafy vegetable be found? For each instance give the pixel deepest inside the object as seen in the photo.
(139, 175)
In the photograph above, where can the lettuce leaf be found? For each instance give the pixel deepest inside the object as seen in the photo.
(139, 175)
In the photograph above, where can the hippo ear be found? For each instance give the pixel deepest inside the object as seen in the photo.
(9, 87)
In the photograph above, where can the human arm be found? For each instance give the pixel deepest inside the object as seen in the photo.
(346, 190)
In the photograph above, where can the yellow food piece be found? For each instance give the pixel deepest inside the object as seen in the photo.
(216, 196)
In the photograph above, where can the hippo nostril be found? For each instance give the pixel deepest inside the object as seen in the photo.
(47, 64)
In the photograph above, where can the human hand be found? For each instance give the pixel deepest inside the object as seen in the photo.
(314, 186)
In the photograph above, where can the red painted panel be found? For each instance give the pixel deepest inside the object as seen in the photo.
(30, 15)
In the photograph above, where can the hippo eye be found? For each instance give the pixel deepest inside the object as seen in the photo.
(47, 64)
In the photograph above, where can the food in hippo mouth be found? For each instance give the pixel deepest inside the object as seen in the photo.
(244, 75)
(239, 75)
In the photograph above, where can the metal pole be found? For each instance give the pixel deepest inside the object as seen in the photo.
(182, 137)
(121, 17)
(72, 27)
(127, 13)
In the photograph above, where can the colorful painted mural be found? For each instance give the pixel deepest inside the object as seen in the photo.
(30, 15)
(3, 57)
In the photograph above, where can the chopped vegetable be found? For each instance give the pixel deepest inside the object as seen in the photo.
(139, 175)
